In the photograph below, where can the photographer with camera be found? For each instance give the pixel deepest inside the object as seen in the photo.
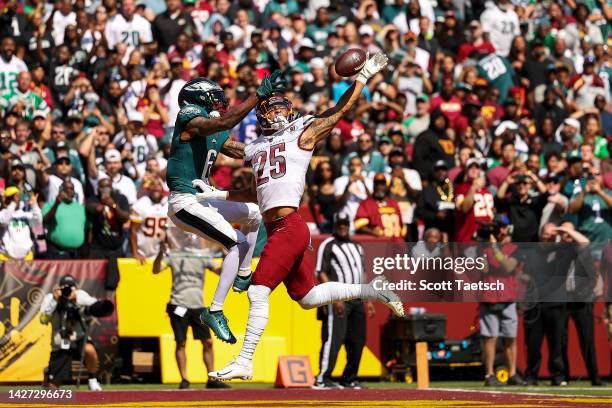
(66, 309)
(524, 207)
(498, 314)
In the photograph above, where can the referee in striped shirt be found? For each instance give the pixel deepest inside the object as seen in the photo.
(341, 260)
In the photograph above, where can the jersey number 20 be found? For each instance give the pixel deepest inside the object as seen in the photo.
(278, 164)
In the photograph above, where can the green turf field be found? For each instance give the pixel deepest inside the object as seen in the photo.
(574, 388)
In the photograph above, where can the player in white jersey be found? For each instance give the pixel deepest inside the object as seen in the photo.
(128, 27)
(501, 22)
(10, 65)
(280, 158)
(148, 222)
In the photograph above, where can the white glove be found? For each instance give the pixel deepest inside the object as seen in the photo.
(371, 67)
(208, 192)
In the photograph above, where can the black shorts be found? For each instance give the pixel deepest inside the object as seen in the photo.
(60, 363)
(190, 318)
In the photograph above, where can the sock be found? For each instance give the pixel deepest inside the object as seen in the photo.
(245, 265)
(258, 319)
(329, 292)
(91, 376)
(229, 270)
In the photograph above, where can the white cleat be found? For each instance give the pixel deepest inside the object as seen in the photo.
(94, 385)
(388, 297)
(233, 370)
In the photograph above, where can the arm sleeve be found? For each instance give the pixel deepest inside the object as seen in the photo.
(84, 299)
(47, 308)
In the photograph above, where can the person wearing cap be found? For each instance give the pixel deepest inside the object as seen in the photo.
(340, 259)
(113, 166)
(379, 215)
(568, 134)
(474, 202)
(366, 39)
(436, 203)
(61, 172)
(64, 349)
(17, 219)
(549, 108)
(23, 95)
(416, 124)
(557, 204)
(476, 43)
(65, 220)
(168, 25)
(17, 177)
(524, 207)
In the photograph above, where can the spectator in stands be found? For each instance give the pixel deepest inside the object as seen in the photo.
(65, 221)
(523, 206)
(148, 221)
(112, 169)
(17, 218)
(379, 215)
(107, 212)
(436, 204)
(474, 202)
(351, 190)
(323, 194)
(62, 170)
(404, 187)
(433, 145)
(592, 204)
(372, 160)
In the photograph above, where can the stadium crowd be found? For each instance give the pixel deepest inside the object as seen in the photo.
(519, 90)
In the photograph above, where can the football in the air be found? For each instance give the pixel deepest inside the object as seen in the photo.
(350, 62)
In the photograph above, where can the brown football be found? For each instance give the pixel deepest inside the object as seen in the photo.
(350, 62)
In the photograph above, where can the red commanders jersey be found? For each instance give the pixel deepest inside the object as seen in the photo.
(385, 214)
(482, 210)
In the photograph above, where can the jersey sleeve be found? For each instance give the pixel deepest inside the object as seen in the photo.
(136, 213)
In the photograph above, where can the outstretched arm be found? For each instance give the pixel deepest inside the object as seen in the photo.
(325, 122)
(200, 126)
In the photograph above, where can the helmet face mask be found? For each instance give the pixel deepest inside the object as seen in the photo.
(275, 113)
(206, 93)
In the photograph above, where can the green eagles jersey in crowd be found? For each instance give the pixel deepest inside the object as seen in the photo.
(32, 101)
(498, 72)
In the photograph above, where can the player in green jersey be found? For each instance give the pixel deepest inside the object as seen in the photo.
(200, 134)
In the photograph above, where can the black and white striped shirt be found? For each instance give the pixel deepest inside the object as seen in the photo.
(342, 261)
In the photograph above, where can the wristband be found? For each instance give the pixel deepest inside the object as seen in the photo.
(362, 78)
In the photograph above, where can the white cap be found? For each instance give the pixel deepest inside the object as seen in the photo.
(366, 30)
(306, 42)
(39, 114)
(471, 161)
(317, 63)
(573, 123)
(505, 125)
(135, 116)
(112, 155)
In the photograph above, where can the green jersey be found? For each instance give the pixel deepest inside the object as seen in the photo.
(32, 102)
(193, 159)
(498, 72)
